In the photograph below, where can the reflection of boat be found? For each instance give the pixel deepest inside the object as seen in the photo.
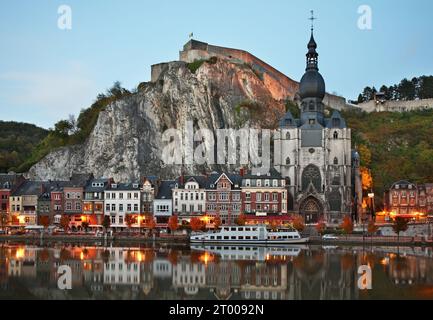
(250, 235)
(261, 253)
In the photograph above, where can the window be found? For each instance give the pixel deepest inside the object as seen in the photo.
(113, 207)
(274, 196)
(121, 195)
(248, 208)
(287, 161)
(113, 220)
(259, 183)
(335, 135)
(287, 135)
(120, 219)
(129, 207)
(275, 183)
(258, 196)
(68, 206)
(335, 161)
(266, 196)
(121, 207)
(107, 207)
(247, 196)
(78, 206)
(135, 207)
(129, 195)
(135, 195)
(113, 196)
(267, 184)
(247, 182)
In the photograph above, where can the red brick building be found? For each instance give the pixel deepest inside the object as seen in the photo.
(223, 197)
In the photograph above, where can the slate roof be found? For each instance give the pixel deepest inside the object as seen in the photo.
(124, 186)
(165, 190)
(201, 180)
(8, 181)
(90, 188)
(29, 188)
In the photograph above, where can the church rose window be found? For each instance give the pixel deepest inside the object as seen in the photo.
(311, 175)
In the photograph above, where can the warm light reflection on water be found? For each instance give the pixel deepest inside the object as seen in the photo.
(214, 272)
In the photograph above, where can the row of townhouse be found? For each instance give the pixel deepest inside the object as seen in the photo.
(84, 199)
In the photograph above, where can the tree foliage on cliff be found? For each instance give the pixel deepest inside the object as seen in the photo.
(73, 131)
(418, 87)
(17, 140)
(394, 146)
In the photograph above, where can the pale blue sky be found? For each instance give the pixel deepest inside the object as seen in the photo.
(47, 73)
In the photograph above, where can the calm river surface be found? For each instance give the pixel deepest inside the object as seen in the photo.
(182, 272)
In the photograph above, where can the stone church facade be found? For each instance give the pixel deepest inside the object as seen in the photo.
(314, 153)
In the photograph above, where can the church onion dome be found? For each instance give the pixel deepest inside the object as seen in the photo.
(336, 121)
(312, 85)
(288, 121)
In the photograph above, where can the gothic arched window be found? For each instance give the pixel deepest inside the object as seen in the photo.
(334, 201)
(335, 161)
(287, 135)
(335, 135)
(311, 175)
(287, 161)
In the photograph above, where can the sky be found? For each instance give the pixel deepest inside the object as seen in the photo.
(47, 73)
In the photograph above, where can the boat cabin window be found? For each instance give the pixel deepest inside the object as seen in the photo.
(241, 238)
(233, 238)
(233, 229)
(247, 229)
(226, 238)
(212, 238)
(248, 237)
(240, 229)
(219, 238)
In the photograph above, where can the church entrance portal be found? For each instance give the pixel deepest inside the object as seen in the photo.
(311, 210)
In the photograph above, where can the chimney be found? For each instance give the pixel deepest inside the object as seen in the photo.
(242, 172)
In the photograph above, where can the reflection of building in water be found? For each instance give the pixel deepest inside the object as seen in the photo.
(408, 271)
(224, 279)
(22, 262)
(266, 281)
(189, 276)
(118, 271)
(317, 274)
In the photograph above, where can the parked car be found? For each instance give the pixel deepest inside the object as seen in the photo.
(329, 237)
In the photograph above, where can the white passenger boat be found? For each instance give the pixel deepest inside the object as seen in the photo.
(258, 234)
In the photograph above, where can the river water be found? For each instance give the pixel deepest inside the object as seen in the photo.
(31, 271)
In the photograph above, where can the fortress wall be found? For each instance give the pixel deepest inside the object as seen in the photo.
(396, 106)
(334, 102)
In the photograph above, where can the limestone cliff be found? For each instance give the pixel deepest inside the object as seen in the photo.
(126, 141)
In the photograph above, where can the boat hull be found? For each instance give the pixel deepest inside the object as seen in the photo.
(252, 242)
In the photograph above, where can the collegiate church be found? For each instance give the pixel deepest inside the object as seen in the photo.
(314, 153)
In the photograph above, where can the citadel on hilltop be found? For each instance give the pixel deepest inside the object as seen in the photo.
(280, 86)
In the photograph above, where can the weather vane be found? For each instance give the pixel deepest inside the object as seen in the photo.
(312, 19)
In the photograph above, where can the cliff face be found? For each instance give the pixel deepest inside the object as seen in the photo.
(126, 141)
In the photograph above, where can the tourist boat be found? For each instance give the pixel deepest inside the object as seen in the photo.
(257, 234)
(250, 253)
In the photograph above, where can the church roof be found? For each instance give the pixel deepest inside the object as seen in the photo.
(336, 121)
(288, 120)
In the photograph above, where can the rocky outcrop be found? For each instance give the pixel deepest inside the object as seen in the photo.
(126, 141)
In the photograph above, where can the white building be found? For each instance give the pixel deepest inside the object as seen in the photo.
(314, 153)
(189, 196)
(121, 199)
(162, 204)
